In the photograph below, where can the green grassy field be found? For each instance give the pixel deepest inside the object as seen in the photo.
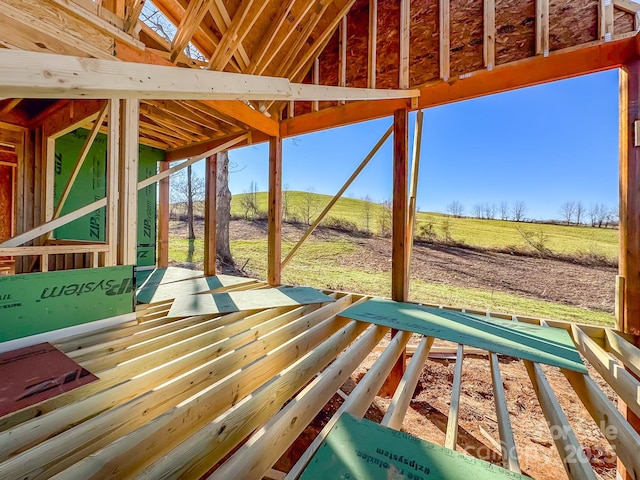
(501, 234)
(316, 265)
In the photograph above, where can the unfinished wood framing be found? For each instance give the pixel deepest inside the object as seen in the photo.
(372, 44)
(405, 20)
(445, 40)
(274, 241)
(210, 207)
(163, 219)
(399, 267)
(128, 191)
(542, 27)
(489, 47)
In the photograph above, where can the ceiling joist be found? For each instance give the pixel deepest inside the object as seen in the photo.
(39, 75)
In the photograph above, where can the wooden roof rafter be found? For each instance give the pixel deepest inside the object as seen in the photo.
(189, 23)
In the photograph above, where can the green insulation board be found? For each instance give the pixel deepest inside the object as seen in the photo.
(90, 185)
(552, 346)
(205, 304)
(34, 303)
(152, 292)
(360, 449)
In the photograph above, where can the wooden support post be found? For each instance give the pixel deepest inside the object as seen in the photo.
(542, 27)
(275, 211)
(342, 54)
(128, 200)
(405, 19)
(489, 34)
(316, 81)
(113, 154)
(373, 43)
(163, 219)
(413, 192)
(399, 271)
(445, 42)
(210, 216)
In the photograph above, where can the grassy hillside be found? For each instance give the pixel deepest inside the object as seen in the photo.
(472, 231)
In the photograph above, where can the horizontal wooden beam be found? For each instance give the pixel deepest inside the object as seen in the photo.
(559, 65)
(41, 75)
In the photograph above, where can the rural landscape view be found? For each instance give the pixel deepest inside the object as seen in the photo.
(485, 256)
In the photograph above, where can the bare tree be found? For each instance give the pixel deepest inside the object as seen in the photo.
(455, 209)
(187, 188)
(504, 210)
(478, 210)
(310, 206)
(366, 212)
(567, 211)
(489, 210)
(285, 202)
(579, 211)
(594, 212)
(249, 201)
(518, 211)
(385, 217)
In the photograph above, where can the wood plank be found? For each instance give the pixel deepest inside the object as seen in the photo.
(210, 222)
(394, 416)
(274, 240)
(171, 432)
(399, 268)
(52, 76)
(413, 192)
(337, 196)
(542, 27)
(626, 441)
(163, 218)
(451, 434)
(624, 351)
(127, 189)
(489, 46)
(605, 24)
(627, 6)
(372, 43)
(405, 24)
(561, 64)
(507, 441)
(629, 223)
(189, 23)
(445, 42)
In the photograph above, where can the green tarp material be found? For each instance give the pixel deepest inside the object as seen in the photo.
(152, 292)
(250, 300)
(160, 276)
(552, 346)
(90, 185)
(34, 303)
(359, 449)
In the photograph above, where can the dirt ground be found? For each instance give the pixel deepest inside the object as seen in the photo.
(546, 279)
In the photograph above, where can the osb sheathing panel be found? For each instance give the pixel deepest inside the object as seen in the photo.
(572, 23)
(357, 44)
(329, 65)
(5, 201)
(424, 55)
(467, 36)
(388, 45)
(623, 22)
(256, 36)
(515, 30)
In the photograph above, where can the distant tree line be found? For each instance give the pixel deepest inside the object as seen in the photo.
(571, 212)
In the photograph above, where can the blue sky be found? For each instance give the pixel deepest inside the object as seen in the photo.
(543, 145)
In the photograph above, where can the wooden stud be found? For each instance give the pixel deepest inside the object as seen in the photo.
(542, 27)
(163, 218)
(573, 458)
(128, 192)
(451, 435)
(619, 300)
(489, 45)
(359, 399)
(445, 43)
(507, 442)
(405, 20)
(274, 241)
(399, 290)
(210, 221)
(316, 81)
(625, 440)
(397, 409)
(413, 192)
(337, 196)
(629, 230)
(372, 43)
(625, 351)
(193, 15)
(623, 383)
(605, 24)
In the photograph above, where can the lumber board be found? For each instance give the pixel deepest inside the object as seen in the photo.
(360, 398)
(507, 441)
(274, 227)
(41, 75)
(360, 448)
(625, 351)
(204, 304)
(451, 434)
(541, 344)
(269, 385)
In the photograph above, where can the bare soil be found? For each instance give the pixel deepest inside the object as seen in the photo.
(540, 278)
